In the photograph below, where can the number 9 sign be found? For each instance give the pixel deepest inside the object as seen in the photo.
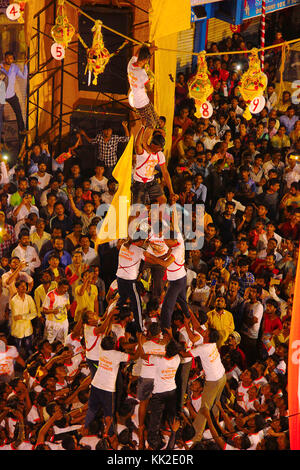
(206, 110)
(13, 11)
(257, 105)
(57, 51)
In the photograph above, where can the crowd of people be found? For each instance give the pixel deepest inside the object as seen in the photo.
(142, 343)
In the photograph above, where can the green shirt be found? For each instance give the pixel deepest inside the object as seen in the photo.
(16, 199)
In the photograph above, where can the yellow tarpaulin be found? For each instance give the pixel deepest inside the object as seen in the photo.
(114, 226)
(166, 19)
(164, 90)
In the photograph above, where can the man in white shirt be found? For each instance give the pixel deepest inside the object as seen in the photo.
(176, 275)
(253, 316)
(139, 80)
(89, 255)
(182, 376)
(271, 97)
(103, 385)
(55, 307)
(98, 181)
(27, 253)
(130, 256)
(215, 375)
(42, 176)
(164, 392)
(210, 141)
(8, 356)
(25, 208)
(144, 369)
(145, 187)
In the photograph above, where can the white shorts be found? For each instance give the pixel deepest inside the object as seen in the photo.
(56, 330)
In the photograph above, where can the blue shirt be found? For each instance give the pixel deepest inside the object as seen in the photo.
(65, 259)
(200, 192)
(12, 74)
(289, 123)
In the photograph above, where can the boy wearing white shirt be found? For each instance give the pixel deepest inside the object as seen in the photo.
(103, 385)
(98, 181)
(164, 392)
(215, 376)
(139, 80)
(148, 156)
(130, 256)
(176, 275)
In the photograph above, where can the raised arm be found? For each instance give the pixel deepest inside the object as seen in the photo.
(139, 141)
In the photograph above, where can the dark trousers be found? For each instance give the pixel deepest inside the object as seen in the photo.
(92, 365)
(127, 290)
(100, 399)
(176, 293)
(249, 346)
(157, 274)
(25, 344)
(159, 404)
(15, 104)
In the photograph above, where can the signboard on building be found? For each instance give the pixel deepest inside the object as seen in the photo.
(252, 8)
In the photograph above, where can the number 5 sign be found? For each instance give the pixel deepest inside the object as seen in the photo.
(257, 105)
(13, 11)
(57, 51)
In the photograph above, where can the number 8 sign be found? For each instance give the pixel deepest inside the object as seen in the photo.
(13, 11)
(206, 110)
(57, 51)
(257, 105)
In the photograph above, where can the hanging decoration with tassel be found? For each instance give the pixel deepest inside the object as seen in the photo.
(62, 32)
(97, 55)
(200, 86)
(253, 84)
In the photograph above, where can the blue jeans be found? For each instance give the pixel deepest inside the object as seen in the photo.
(176, 293)
(100, 399)
(127, 289)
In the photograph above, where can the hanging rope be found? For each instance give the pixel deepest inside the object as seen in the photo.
(209, 54)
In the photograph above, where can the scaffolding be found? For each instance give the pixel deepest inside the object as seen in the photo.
(54, 81)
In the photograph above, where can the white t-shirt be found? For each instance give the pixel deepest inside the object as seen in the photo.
(253, 310)
(165, 371)
(145, 165)
(145, 367)
(129, 262)
(53, 301)
(137, 77)
(108, 366)
(43, 181)
(157, 246)
(99, 185)
(91, 441)
(92, 343)
(74, 344)
(176, 270)
(118, 330)
(7, 359)
(211, 361)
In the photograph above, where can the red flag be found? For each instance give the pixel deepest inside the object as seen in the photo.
(294, 368)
